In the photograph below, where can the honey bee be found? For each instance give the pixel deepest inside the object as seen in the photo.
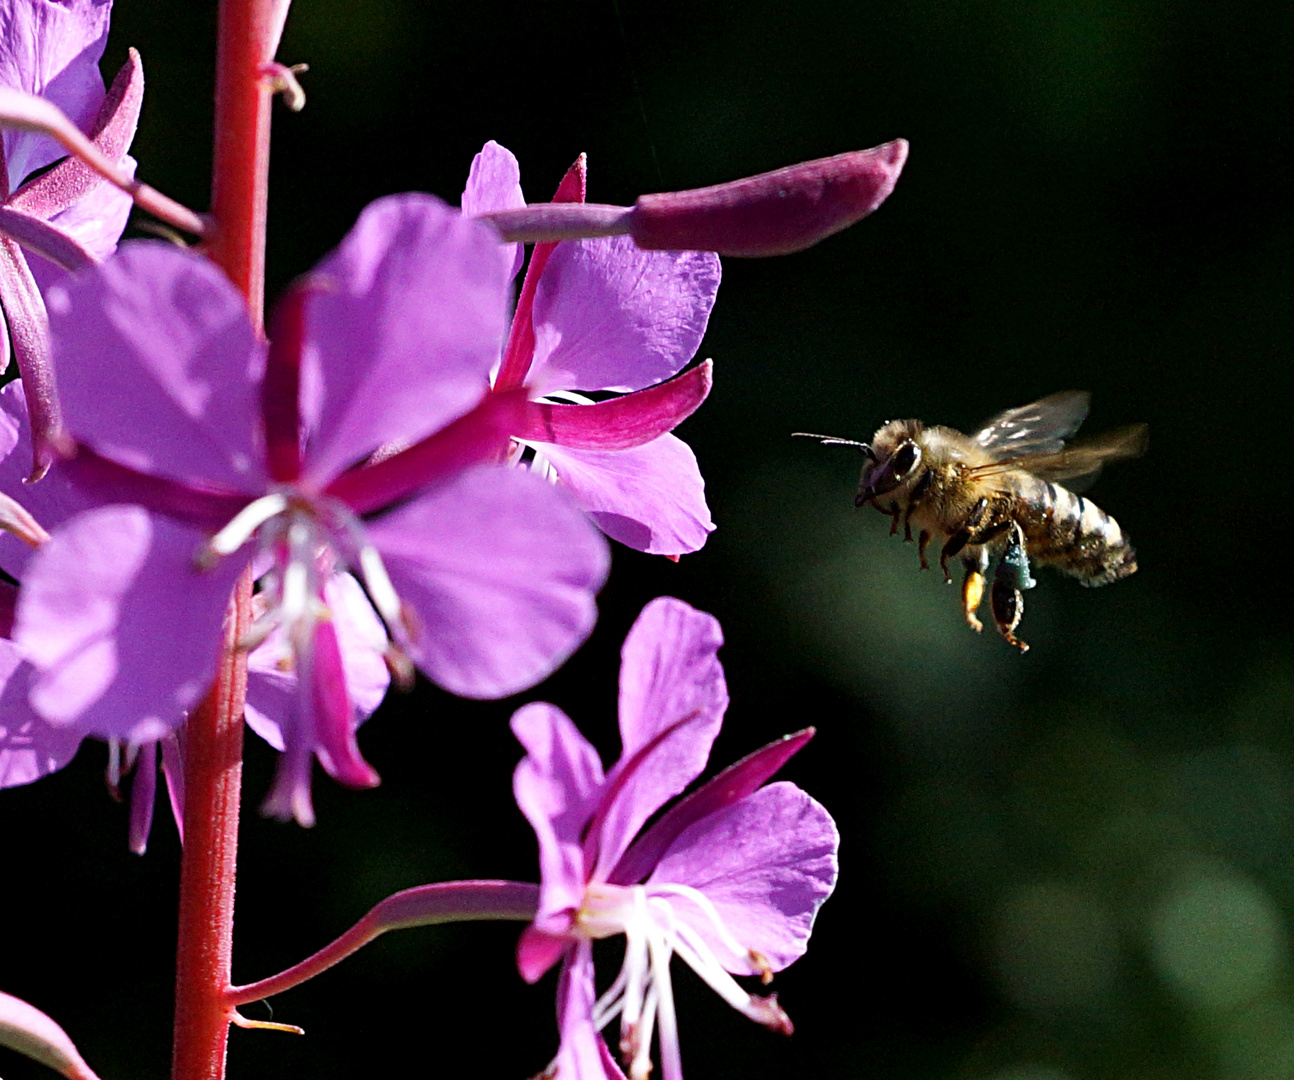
(994, 496)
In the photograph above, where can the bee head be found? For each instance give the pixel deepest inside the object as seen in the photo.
(896, 455)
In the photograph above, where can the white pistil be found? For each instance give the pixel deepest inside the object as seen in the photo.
(239, 530)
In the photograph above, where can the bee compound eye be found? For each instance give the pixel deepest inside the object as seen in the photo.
(905, 459)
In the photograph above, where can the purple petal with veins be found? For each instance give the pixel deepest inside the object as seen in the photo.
(499, 578)
(101, 598)
(735, 782)
(51, 502)
(183, 398)
(609, 316)
(650, 498)
(669, 673)
(30, 748)
(494, 183)
(52, 50)
(403, 338)
(557, 786)
(766, 862)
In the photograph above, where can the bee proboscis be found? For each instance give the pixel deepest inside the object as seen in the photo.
(995, 496)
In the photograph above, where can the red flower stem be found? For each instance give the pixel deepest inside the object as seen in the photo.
(213, 737)
(240, 181)
(213, 770)
(426, 905)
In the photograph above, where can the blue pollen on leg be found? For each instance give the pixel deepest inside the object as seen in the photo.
(1013, 568)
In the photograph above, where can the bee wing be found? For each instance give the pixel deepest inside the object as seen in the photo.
(1037, 429)
(1080, 461)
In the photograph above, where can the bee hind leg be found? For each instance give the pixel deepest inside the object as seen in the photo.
(1011, 577)
(1008, 608)
(923, 542)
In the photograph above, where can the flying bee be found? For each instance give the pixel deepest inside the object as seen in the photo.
(993, 497)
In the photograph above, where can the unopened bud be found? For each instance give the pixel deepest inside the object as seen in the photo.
(774, 213)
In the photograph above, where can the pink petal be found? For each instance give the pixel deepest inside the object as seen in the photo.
(406, 333)
(557, 786)
(182, 401)
(494, 183)
(609, 316)
(766, 863)
(624, 422)
(500, 571)
(123, 631)
(650, 498)
(669, 673)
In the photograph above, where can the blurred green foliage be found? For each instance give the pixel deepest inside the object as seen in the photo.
(1073, 864)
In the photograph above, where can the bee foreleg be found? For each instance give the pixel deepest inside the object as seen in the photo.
(923, 542)
(894, 513)
(962, 537)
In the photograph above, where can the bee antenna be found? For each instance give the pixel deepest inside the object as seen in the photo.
(832, 440)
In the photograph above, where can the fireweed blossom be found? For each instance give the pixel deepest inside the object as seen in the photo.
(31, 747)
(68, 216)
(604, 315)
(206, 450)
(729, 879)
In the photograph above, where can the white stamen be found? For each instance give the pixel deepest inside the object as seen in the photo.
(380, 589)
(239, 530)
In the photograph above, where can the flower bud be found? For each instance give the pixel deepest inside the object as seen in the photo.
(774, 213)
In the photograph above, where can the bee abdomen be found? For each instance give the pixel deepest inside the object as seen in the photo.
(1074, 535)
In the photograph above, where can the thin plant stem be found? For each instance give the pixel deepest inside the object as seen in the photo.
(213, 769)
(213, 736)
(426, 905)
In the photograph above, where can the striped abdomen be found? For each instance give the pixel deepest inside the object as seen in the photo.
(1072, 533)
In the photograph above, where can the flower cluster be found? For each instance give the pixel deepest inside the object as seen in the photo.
(410, 472)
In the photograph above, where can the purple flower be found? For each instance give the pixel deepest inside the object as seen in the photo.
(729, 878)
(31, 747)
(604, 315)
(68, 215)
(202, 440)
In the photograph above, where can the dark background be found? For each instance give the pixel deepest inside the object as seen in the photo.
(1076, 863)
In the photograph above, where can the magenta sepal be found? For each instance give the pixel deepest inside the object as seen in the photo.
(112, 132)
(735, 782)
(110, 482)
(479, 436)
(624, 422)
(38, 235)
(774, 213)
(425, 905)
(29, 1031)
(24, 310)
